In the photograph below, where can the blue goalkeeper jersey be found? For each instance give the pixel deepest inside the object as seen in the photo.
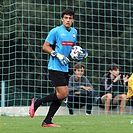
(61, 40)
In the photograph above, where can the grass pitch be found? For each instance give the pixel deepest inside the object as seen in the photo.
(69, 124)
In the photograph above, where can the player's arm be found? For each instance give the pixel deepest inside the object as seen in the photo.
(83, 54)
(63, 60)
(46, 47)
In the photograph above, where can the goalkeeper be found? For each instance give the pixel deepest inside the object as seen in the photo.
(58, 44)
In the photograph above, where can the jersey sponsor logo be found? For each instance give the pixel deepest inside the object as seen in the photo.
(67, 43)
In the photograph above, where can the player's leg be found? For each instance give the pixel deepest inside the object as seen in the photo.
(35, 103)
(61, 92)
(55, 106)
(122, 99)
(52, 110)
(106, 99)
(59, 95)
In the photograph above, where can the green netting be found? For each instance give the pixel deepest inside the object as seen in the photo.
(105, 30)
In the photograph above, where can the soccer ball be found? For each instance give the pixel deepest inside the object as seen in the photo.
(74, 53)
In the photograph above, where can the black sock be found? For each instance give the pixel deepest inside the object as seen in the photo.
(52, 110)
(49, 98)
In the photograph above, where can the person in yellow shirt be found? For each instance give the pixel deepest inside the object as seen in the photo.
(130, 89)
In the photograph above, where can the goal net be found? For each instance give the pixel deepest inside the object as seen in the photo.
(104, 30)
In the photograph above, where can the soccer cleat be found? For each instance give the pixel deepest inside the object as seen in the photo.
(49, 125)
(33, 107)
(31, 110)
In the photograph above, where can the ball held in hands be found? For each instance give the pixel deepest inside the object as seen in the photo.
(83, 54)
(77, 53)
(63, 60)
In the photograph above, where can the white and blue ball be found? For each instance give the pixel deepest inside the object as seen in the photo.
(75, 51)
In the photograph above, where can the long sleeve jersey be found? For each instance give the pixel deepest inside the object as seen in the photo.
(108, 86)
(75, 85)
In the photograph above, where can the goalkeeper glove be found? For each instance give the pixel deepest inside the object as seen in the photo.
(83, 54)
(63, 60)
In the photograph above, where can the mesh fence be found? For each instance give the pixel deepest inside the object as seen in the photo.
(104, 29)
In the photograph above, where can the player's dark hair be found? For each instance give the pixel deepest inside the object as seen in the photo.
(67, 12)
(113, 66)
(78, 66)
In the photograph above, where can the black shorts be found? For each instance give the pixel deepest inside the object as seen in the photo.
(58, 78)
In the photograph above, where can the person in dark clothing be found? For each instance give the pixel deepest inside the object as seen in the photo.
(80, 90)
(112, 88)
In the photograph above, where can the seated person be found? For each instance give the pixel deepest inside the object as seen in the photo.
(112, 89)
(80, 90)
